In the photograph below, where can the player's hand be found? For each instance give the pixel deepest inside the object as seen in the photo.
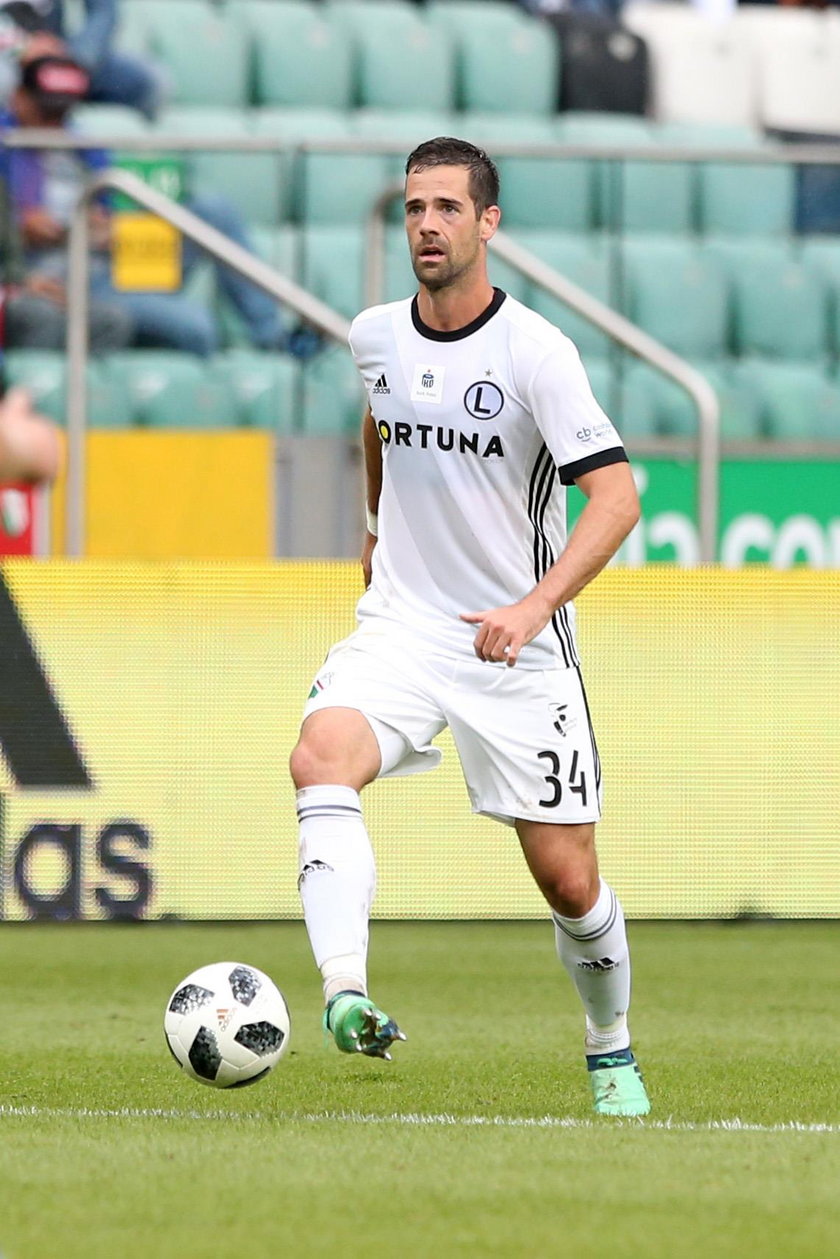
(367, 557)
(503, 632)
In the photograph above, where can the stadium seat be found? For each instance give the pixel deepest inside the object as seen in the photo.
(263, 387)
(332, 265)
(536, 191)
(631, 195)
(779, 306)
(678, 294)
(109, 120)
(667, 410)
(583, 259)
(401, 62)
(333, 397)
(798, 401)
(821, 255)
(42, 372)
(689, 53)
(298, 57)
(171, 390)
(506, 61)
(746, 198)
(205, 49)
(796, 70)
(258, 184)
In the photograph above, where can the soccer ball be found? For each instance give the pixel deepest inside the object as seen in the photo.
(227, 1025)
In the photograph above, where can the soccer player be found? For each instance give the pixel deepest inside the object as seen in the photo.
(479, 415)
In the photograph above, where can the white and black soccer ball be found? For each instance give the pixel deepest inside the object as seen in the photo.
(227, 1025)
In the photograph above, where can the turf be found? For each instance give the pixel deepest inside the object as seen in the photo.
(477, 1139)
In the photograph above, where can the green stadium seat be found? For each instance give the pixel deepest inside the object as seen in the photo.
(779, 306)
(263, 386)
(678, 293)
(333, 396)
(109, 120)
(298, 57)
(798, 401)
(171, 390)
(665, 409)
(821, 255)
(632, 195)
(42, 372)
(506, 61)
(536, 191)
(401, 62)
(332, 265)
(586, 261)
(258, 184)
(746, 199)
(205, 49)
(327, 187)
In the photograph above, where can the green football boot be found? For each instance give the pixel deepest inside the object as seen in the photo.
(617, 1084)
(357, 1027)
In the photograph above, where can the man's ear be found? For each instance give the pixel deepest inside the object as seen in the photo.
(490, 222)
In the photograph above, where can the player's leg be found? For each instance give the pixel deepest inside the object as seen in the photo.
(362, 720)
(530, 759)
(338, 754)
(591, 940)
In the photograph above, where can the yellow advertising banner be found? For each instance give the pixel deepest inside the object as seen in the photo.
(146, 253)
(162, 494)
(147, 711)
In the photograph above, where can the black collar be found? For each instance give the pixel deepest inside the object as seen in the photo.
(457, 334)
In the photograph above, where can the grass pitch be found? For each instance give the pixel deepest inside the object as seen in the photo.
(477, 1140)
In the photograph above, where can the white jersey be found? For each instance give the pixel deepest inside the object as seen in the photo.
(481, 430)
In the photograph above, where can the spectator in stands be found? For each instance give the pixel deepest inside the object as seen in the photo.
(34, 306)
(31, 447)
(115, 77)
(44, 187)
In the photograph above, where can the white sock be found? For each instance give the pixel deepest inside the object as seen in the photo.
(337, 882)
(594, 951)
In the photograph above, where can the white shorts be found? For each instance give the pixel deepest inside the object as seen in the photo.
(524, 737)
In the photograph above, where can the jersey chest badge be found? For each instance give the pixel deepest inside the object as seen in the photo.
(484, 400)
(427, 383)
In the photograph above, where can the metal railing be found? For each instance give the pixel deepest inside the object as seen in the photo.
(614, 325)
(213, 242)
(619, 329)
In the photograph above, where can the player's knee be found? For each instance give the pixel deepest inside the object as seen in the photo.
(571, 892)
(307, 765)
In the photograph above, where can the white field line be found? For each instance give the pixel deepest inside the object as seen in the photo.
(409, 1120)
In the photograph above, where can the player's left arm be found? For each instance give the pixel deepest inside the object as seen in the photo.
(611, 511)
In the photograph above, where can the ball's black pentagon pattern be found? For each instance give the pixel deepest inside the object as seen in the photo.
(244, 984)
(204, 1055)
(190, 997)
(260, 1038)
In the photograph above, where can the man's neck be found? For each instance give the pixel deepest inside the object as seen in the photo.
(447, 310)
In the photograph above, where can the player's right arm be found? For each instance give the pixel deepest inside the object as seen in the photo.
(372, 447)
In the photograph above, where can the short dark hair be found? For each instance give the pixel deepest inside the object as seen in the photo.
(448, 151)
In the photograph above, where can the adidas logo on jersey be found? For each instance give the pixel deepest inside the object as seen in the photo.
(381, 385)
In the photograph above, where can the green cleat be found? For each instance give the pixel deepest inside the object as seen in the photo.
(617, 1084)
(358, 1027)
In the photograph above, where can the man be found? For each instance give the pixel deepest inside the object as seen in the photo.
(480, 413)
(115, 78)
(43, 188)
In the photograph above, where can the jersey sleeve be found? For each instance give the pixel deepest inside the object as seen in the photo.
(577, 432)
